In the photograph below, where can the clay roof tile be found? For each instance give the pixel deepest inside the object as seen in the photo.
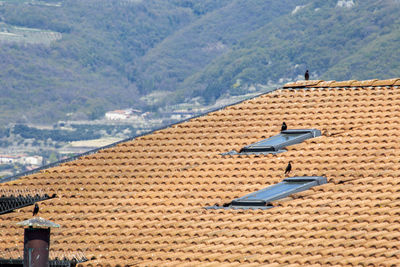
(389, 82)
(297, 84)
(343, 83)
(364, 83)
(324, 84)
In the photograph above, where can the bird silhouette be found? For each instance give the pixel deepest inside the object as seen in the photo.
(306, 75)
(288, 168)
(284, 127)
(36, 209)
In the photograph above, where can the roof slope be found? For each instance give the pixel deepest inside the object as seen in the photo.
(142, 202)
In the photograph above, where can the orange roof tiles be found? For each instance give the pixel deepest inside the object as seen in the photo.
(364, 83)
(142, 201)
(325, 84)
(343, 83)
(389, 82)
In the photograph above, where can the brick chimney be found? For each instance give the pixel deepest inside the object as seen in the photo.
(37, 241)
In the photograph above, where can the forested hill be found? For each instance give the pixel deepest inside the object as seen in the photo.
(82, 58)
(91, 68)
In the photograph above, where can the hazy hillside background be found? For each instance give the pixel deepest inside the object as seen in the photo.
(77, 59)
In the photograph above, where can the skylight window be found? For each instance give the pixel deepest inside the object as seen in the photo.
(277, 143)
(262, 199)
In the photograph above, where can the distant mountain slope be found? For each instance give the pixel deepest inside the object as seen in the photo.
(189, 50)
(113, 52)
(336, 40)
(91, 68)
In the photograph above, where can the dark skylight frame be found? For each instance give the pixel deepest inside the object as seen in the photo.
(262, 199)
(277, 143)
(11, 203)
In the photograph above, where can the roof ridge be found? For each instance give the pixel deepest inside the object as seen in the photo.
(348, 83)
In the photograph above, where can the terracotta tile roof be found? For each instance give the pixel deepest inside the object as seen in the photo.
(387, 82)
(310, 83)
(142, 201)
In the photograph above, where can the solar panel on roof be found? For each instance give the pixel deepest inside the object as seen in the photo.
(261, 199)
(278, 191)
(277, 143)
(274, 142)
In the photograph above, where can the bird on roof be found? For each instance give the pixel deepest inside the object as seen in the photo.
(36, 209)
(284, 127)
(288, 168)
(306, 76)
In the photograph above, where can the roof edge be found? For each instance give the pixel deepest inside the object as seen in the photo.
(309, 83)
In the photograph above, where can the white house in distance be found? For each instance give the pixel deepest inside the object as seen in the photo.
(117, 115)
(121, 114)
(33, 160)
(22, 159)
(7, 159)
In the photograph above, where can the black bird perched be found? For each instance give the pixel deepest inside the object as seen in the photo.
(306, 75)
(36, 209)
(288, 168)
(284, 127)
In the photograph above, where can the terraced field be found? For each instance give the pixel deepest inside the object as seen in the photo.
(12, 34)
(41, 3)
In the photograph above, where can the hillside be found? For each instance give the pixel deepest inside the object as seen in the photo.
(336, 40)
(82, 58)
(90, 68)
